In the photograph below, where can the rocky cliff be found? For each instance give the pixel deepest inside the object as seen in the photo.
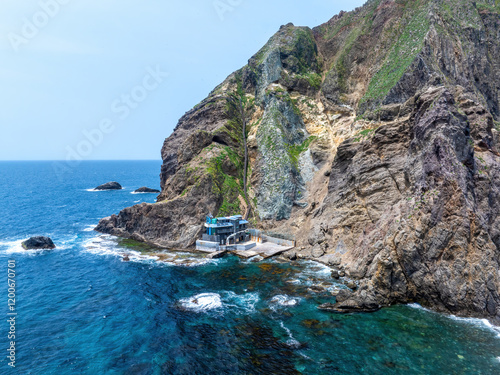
(373, 139)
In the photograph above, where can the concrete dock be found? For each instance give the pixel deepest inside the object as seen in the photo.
(265, 250)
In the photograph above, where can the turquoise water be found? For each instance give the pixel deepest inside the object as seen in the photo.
(83, 310)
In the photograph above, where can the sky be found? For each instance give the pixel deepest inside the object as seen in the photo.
(109, 79)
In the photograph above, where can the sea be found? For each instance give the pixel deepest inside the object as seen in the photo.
(82, 308)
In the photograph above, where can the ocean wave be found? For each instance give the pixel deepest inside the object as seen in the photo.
(221, 302)
(12, 246)
(483, 323)
(15, 246)
(185, 260)
(106, 245)
(242, 302)
(317, 270)
(89, 228)
(291, 342)
(317, 277)
(284, 301)
(202, 302)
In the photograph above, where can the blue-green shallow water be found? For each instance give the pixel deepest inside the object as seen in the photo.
(83, 310)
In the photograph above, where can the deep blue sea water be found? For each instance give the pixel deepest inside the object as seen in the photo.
(82, 309)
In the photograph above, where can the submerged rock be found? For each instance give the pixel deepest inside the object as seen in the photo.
(349, 307)
(38, 243)
(113, 185)
(146, 190)
(217, 254)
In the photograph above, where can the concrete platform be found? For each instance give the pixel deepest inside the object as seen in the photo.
(265, 250)
(245, 246)
(244, 253)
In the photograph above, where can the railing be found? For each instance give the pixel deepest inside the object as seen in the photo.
(261, 236)
(234, 235)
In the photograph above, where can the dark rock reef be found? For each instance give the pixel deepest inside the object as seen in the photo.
(38, 243)
(146, 190)
(373, 139)
(109, 186)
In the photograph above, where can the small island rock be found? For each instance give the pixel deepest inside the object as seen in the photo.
(147, 190)
(109, 186)
(37, 243)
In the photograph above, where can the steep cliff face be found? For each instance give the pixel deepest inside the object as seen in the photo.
(373, 139)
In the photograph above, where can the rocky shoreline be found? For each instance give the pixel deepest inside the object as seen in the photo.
(378, 151)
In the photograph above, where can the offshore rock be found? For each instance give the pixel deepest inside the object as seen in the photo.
(38, 243)
(146, 190)
(113, 185)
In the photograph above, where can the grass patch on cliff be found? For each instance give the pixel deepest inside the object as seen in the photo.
(399, 59)
(364, 134)
(225, 186)
(343, 23)
(294, 151)
(488, 6)
(314, 79)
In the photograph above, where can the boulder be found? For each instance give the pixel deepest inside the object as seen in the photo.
(217, 254)
(147, 190)
(351, 285)
(317, 251)
(109, 186)
(37, 243)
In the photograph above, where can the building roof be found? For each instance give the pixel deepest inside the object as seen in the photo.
(218, 225)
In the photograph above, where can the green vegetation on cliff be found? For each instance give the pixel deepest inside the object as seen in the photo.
(402, 54)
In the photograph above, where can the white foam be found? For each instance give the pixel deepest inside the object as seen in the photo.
(202, 302)
(317, 269)
(106, 245)
(484, 323)
(291, 342)
(417, 306)
(222, 303)
(284, 300)
(15, 246)
(89, 228)
(241, 302)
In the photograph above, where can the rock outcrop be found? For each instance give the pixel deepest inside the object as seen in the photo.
(373, 139)
(109, 186)
(38, 243)
(146, 190)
